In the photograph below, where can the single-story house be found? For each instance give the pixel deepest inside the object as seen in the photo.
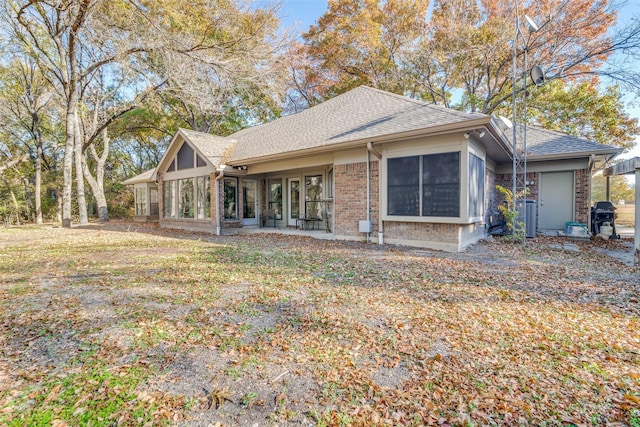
(367, 164)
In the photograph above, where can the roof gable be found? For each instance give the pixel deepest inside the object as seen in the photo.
(214, 149)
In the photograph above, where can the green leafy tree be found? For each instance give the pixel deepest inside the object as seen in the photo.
(619, 189)
(582, 110)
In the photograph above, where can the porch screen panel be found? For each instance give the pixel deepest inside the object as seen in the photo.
(249, 189)
(204, 198)
(476, 186)
(294, 195)
(141, 201)
(275, 197)
(153, 201)
(169, 199)
(403, 188)
(313, 196)
(230, 198)
(186, 198)
(441, 185)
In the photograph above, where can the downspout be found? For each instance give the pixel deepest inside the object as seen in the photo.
(380, 224)
(220, 171)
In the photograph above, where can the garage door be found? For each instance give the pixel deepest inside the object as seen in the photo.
(556, 200)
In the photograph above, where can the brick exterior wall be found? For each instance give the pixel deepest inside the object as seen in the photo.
(350, 203)
(583, 196)
(422, 231)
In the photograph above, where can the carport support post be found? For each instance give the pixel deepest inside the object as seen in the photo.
(636, 224)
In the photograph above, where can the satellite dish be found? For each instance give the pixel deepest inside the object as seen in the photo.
(533, 27)
(506, 122)
(537, 75)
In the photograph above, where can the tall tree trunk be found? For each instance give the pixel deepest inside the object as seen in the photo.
(38, 166)
(67, 165)
(77, 152)
(38, 185)
(97, 183)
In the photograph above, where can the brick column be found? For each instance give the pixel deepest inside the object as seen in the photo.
(583, 202)
(351, 196)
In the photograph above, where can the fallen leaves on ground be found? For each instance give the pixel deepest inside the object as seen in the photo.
(132, 325)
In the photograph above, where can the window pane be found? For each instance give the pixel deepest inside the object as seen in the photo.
(403, 188)
(185, 208)
(169, 199)
(204, 198)
(185, 157)
(476, 186)
(441, 185)
(230, 198)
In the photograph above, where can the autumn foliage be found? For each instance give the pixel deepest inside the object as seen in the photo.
(132, 325)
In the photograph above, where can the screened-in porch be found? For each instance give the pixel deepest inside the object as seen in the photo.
(293, 202)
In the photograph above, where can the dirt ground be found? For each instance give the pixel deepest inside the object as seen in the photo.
(286, 330)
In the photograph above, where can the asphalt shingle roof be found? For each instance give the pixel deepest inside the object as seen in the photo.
(145, 176)
(543, 142)
(212, 146)
(361, 113)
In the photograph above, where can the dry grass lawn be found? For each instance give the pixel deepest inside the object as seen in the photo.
(117, 325)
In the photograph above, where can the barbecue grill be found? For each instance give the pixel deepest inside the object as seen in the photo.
(603, 212)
